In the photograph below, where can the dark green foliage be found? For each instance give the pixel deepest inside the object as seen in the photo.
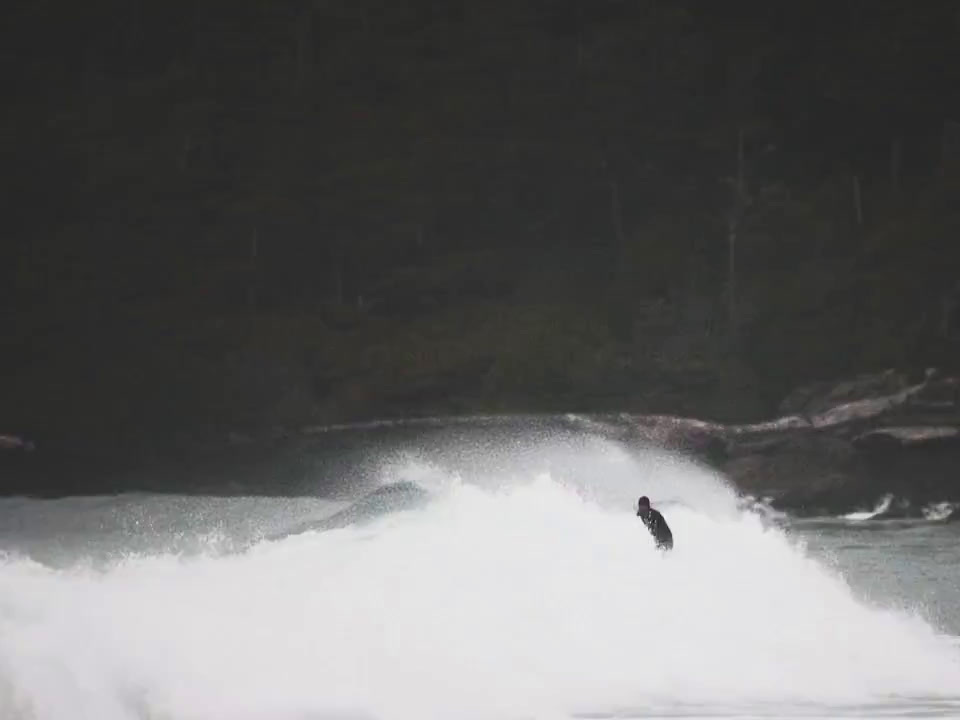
(232, 213)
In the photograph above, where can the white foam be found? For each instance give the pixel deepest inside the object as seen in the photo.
(519, 600)
(939, 511)
(881, 507)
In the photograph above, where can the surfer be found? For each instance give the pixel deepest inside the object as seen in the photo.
(655, 524)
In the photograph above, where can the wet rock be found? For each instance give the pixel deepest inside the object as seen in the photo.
(818, 397)
(701, 439)
(938, 393)
(888, 438)
(845, 444)
(810, 472)
(854, 414)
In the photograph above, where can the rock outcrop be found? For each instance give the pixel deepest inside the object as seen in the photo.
(839, 446)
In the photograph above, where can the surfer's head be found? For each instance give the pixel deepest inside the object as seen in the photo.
(643, 504)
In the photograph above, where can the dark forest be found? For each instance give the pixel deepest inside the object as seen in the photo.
(231, 216)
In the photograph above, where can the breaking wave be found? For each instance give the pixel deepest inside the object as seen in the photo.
(517, 584)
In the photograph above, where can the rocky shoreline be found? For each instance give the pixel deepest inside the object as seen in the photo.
(837, 448)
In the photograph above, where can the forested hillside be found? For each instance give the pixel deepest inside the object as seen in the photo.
(292, 212)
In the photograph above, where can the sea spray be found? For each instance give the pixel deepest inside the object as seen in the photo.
(528, 592)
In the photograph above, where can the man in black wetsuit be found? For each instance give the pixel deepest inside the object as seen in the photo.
(655, 524)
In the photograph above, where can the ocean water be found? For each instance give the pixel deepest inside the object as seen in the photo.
(504, 579)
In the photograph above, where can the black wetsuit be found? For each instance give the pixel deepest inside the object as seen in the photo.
(658, 528)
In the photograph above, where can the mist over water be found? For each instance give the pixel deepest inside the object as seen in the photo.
(522, 587)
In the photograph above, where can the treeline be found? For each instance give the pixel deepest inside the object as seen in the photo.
(756, 191)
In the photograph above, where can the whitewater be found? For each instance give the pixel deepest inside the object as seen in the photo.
(512, 582)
